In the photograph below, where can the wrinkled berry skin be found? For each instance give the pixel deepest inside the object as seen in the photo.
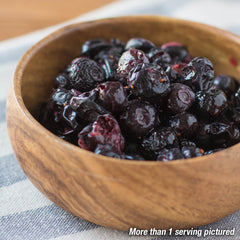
(190, 152)
(225, 83)
(112, 96)
(85, 74)
(173, 75)
(140, 44)
(62, 81)
(58, 117)
(177, 52)
(140, 101)
(185, 124)
(88, 110)
(149, 81)
(217, 135)
(159, 57)
(170, 154)
(91, 47)
(105, 131)
(129, 60)
(181, 98)
(58, 100)
(159, 139)
(198, 74)
(138, 118)
(212, 101)
(108, 59)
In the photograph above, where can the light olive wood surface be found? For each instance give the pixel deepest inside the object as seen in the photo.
(20, 17)
(112, 192)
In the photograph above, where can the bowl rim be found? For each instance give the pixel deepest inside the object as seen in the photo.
(23, 62)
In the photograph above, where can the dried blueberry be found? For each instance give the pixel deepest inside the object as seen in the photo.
(181, 98)
(129, 60)
(190, 151)
(138, 118)
(198, 74)
(217, 135)
(149, 81)
(185, 124)
(140, 44)
(225, 83)
(112, 96)
(87, 110)
(62, 81)
(212, 101)
(85, 74)
(177, 52)
(159, 57)
(159, 139)
(92, 47)
(105, 131)
(166, 154)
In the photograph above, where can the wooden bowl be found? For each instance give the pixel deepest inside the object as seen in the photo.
(121, 193)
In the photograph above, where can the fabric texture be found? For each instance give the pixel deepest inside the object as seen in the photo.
(24, 212)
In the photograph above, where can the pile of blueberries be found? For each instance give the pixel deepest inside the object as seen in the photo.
(138, 101)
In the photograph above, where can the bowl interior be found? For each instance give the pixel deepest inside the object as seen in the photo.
(55, 52)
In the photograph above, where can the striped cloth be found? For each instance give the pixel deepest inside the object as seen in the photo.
(24, 212)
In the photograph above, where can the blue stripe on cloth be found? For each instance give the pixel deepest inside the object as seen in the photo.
(10, 171)
(2, 111)
(41, 224)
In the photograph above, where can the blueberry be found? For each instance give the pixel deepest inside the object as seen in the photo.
(92, 47)
(225, 83)
(70, 116)
(187, 143)
(169, 105)
(112, 96)
(85, 74)
(173, 75)
(149, 81)
(87, 110)
(181, 98)
(59, 98)
(140, 44)
(62, 81)
(138, 118)
(185, 124)
(105, 131)
(177, 52)
(190, 152)
(217, 135)
(159, 57)
(108, 60)
(211, 102)
(170, 154)
(158, 140)
(198, 74)
(129, 60)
